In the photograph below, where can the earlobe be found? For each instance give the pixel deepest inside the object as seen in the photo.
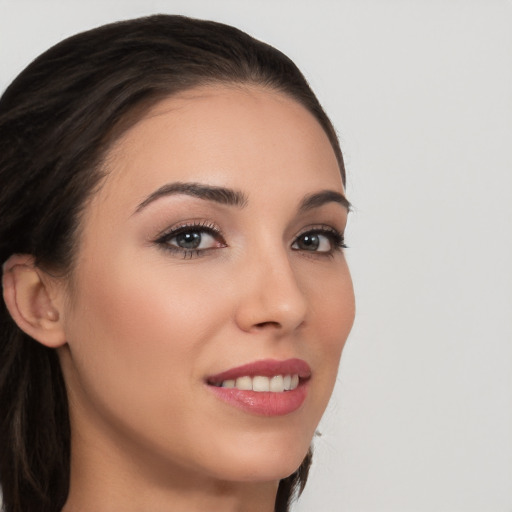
(29, 301)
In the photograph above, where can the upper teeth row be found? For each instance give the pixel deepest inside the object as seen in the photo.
(278, 383)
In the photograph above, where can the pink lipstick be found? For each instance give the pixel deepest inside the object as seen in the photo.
(267, 387)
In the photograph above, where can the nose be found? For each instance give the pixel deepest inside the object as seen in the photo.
(270, 295)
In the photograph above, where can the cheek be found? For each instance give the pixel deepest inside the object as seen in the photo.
(331, 303)
(332, 315)
(136, 332)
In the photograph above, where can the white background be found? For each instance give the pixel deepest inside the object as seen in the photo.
(421, 94)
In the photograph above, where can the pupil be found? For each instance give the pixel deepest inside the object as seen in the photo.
(190, 240)
(310, 242)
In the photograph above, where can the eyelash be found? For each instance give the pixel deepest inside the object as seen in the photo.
(198, 227)
(335, 238)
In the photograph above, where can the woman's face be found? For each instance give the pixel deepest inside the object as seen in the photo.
(214, 243)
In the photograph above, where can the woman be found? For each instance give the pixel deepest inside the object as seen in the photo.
(176, 297)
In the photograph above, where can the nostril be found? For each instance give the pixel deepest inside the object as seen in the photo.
(262, 325)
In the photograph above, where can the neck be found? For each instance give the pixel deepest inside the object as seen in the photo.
(104, 479)
(216, 496)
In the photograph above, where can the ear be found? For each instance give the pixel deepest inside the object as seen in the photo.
(32, 301)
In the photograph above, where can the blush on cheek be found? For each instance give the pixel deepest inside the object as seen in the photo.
(147, 320)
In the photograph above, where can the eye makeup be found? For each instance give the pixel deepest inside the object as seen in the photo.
(197, 238)
(321, 239)
(191, 239)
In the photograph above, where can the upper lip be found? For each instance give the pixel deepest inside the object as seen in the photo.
(264, 368)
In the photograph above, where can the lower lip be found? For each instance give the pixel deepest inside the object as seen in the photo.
(264, 403)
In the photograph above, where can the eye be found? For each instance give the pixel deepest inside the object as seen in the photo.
(191, 240)
(321, 240)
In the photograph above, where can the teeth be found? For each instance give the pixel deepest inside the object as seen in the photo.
(261, 384)
(244, 383)
(276, 384)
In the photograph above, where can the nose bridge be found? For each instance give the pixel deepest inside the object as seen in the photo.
(272, 294)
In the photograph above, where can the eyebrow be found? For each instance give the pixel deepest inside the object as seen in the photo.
(220, 195)
(320, 198)
(231, 197)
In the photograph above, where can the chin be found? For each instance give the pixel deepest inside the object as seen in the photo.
(258, 461)
(266, 471)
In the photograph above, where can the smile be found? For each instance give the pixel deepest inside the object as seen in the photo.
(268, 387)
(260, 383)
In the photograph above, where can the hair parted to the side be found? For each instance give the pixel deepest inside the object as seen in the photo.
(57, 121)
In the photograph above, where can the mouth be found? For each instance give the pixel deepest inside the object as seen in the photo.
(268, 387)
(260, 383)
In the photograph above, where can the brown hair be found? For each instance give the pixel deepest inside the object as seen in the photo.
(57, 119)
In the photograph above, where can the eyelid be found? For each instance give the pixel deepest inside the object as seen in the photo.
(162, 241)
(337, 237)
(176, 229)
(321, 228)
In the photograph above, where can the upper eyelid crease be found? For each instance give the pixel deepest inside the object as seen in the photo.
(194, 226)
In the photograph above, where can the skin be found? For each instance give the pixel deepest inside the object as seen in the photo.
(144, 325)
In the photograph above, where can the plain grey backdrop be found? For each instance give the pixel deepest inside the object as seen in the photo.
(421, 94)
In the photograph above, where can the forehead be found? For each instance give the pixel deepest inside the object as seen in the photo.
(244, 137)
